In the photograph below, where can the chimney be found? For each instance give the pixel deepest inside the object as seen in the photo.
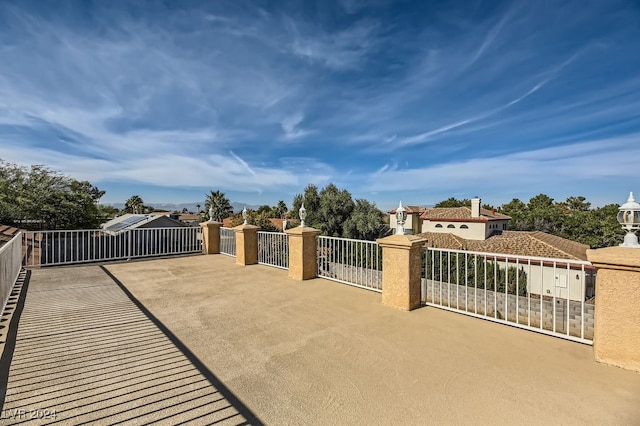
(475, 207)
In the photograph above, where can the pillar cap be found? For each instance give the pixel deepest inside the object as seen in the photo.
(401, 241)
(303, 230)
(210, 223)
(242, 228)
(615, 258)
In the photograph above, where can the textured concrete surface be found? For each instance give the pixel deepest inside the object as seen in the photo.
(616, 340)
(289, 352)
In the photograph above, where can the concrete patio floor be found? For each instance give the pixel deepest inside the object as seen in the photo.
(201, 340)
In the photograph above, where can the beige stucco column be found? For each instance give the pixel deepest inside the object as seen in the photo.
(303, 246)
(616, 339)
(246, 244)
(401, 270)
(211, 237)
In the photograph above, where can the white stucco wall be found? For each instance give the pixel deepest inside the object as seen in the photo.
(496, 225)
(475, 231)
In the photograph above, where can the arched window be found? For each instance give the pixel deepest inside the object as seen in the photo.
(464, 227)
(438, 226)
(451, 226)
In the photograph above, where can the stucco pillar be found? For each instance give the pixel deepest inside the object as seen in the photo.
(211, 237)
(303, 247)
(401, 271)
(616, 339)
(246, 244)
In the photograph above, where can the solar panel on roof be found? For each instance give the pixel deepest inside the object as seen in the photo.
(125, 223)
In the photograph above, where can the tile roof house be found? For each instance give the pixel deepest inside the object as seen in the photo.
(473, 223)
(481, 230)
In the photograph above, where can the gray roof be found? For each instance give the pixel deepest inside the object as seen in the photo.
(132, 221)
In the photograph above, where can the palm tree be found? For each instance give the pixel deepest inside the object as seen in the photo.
(219, 205)
(280, 209)
(134, 205)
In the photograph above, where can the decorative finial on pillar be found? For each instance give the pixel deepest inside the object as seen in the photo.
(245, 215)
(210, 214)
(629, 218)
(303, 214)
(401, 217)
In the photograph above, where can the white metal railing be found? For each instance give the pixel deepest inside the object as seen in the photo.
(273, 249)
(228, 241)
(10, 266)
(48, 248)
(354, 262)
(546, 295)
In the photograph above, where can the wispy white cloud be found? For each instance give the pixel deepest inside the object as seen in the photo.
(583, 163)
(342, 49)
(291, 127)
(161, 96)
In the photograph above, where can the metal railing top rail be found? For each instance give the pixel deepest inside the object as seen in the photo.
(503, 256)
(10, 267)
(346, 239)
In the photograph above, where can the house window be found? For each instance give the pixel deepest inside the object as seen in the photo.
(450, 226)
(438, 226)
(464, 227)
(504, 226)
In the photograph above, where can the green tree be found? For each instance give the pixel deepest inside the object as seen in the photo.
(311, 200)
(280, 209)
(334, 212)
(106, 212)
(258, 218)
(220, 204)
(518, 212)
(366, 222)
(134, 205)
(37, 197)
(454, 202)
(335, 208)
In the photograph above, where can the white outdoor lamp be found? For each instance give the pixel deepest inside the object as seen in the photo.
(303, 214)
(245, 215)
(629, 218)
(210, 214)
(401, 217)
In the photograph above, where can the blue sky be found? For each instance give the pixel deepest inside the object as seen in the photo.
(410, 100)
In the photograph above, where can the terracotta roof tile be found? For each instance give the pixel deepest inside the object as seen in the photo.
(460, 213)
(522, 243)
(443, 240)
(411, 210)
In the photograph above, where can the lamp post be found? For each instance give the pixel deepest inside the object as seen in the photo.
(401, 217)
(303, 214)
(629, 218)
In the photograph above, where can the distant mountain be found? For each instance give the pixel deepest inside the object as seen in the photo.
(192, 207)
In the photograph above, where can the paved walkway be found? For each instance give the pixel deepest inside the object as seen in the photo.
(200, 339)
